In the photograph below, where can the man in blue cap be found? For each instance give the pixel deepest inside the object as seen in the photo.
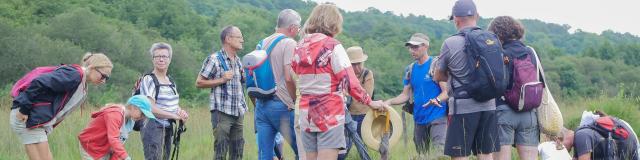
(473, 124)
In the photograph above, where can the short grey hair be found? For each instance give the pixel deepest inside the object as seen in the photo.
(287, 18)
(160, 45)
(226, 31)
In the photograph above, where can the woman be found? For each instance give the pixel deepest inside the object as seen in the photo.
(101, 138)
(519, 128)
(324, 71)
(51, 97)
(156, 135)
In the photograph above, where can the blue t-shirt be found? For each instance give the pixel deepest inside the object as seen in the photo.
(424, 89)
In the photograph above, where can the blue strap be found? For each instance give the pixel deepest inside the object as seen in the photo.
(222, 61)
(273, 44)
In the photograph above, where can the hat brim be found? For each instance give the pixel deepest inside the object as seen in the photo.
(148, 114)
(372, 124)
(415, 43)
(360, 59)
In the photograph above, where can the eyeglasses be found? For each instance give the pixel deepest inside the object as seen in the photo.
(236, 37)
(161, 57)
(414, 47)
(104, 77)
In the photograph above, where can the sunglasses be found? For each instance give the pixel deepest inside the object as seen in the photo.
(104, 77)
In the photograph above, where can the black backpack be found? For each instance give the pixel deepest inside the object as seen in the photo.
(488, 78)
(136, 91)
(615, 139)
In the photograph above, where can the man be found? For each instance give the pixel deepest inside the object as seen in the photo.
(590, 141)
(222, 72)
(429, 110)
(473, 125)
(356, 110)
(275, 114)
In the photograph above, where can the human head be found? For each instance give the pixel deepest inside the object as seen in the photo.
(357, 57)
(289, 22)
(464, 14)
(418, 45)
(326, 19)
(140, 106)
(231, 37)
(506, 28)
(161, 54)
(98, 67)
(567, 139)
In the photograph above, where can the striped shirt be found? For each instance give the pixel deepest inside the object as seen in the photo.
(227, 98)
(324, 74)
(168, 97)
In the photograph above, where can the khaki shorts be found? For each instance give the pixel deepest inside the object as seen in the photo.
(331, 139)
(86, 156)
(28, 136)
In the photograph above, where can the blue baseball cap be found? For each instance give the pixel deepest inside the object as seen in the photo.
(463, 8)
(143, 103)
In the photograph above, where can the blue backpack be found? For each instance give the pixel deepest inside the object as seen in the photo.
(261, 83)
(488, 78)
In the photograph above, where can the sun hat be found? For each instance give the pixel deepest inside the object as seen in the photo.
(373, 128)
(356, 54)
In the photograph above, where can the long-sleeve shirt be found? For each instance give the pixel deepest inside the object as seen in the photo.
(102, 134)
(324, 69)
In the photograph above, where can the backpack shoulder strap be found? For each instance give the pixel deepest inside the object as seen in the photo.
(538, 66)
(274, 42)
(156, 83)
(364, 75)
(222, 61)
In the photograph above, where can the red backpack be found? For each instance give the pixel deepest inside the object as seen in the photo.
(24, 82)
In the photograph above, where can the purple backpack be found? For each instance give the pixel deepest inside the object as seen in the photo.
(526, 92)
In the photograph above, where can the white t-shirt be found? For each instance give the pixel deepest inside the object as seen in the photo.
(548, 151)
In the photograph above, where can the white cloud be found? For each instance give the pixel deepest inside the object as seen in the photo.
(588, 15)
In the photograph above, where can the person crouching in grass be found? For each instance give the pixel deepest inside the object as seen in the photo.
(101, 138)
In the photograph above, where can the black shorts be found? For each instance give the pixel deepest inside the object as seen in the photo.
(477, 132)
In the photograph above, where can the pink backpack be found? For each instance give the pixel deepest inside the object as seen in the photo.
(526, 92)
(24, 82)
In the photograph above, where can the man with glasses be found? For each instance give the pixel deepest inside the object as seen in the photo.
(222, 72)
(275, 114)
(429, 98)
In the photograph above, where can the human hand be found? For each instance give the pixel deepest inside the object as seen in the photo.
(378, 105)
(21, 117)
(183, 115)
(228, 75)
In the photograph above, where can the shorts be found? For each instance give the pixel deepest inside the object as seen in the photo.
(86, 156)
(472, 132)
(331, 139)
(28, 136)
(520, 128)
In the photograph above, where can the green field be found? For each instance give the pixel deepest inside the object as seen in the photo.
(197, 142)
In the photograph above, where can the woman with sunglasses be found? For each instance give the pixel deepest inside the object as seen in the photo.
(51, 97)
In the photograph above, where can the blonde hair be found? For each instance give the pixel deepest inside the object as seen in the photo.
(96, 60)
(326, 19)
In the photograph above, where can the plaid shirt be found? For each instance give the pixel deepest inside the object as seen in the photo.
(228, 97)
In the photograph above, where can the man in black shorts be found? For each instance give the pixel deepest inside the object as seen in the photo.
(473, 124)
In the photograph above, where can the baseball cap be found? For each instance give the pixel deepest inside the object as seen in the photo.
(417, 39)
(463, 8)
(143, 103)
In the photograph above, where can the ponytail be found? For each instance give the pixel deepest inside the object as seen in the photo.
(96, 60)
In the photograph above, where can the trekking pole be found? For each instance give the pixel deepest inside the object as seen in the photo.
(176, 140)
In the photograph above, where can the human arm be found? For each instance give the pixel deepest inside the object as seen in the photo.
(206, 78)
(64, 79)
(113, 122)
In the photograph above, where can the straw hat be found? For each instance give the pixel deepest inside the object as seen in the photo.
(356, 54)
(373, 128)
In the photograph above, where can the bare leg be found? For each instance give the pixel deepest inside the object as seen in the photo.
(485, 156)
(459, 158)
(328, 154)
(44, 152)
(32, 151)
(312, 155)
(527, 152)
(505, 153)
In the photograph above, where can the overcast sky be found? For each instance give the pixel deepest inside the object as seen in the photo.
(588, 15)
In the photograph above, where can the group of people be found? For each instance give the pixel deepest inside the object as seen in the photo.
(319, 88)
